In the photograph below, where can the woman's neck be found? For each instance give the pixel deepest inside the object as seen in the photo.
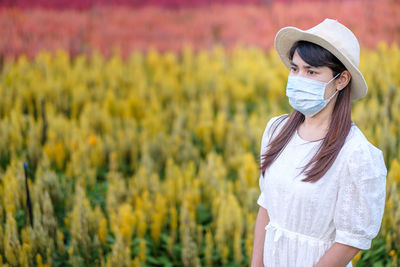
(320, 121)
(316, 127)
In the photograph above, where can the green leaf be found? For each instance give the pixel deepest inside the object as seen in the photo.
(378, 264)
(110, 239)
(204, 216)
(165, 261)
(153, 260)
(20, 218)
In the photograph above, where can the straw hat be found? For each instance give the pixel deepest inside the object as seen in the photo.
(337, 39)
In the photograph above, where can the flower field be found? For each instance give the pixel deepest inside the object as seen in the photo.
(152, 160)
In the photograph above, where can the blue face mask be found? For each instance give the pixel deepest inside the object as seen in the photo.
(307, 95)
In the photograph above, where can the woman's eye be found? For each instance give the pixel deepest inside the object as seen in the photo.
(311, 72)
(292, 69)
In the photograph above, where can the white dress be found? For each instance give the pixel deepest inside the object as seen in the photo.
(346, 205)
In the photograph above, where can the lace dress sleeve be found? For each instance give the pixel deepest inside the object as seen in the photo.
(361, 197)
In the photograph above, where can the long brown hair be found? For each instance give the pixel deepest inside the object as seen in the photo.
(339, 127)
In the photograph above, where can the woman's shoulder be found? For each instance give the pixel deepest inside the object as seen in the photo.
(274, 124)
(357, 140)
(359, 153)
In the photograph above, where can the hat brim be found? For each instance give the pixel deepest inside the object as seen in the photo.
(287, 36)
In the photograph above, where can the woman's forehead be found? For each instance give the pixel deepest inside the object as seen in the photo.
(297, 61)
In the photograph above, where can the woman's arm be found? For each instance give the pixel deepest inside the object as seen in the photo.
(259, 237)
(338, 255)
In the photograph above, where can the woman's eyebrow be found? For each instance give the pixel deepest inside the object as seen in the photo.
(304, 66)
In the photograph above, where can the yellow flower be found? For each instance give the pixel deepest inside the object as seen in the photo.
(357, 257)
(92, 140)
(142, 251)
(102, 232)
(39, 260)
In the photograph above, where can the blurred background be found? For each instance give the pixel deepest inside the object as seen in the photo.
(130, 130)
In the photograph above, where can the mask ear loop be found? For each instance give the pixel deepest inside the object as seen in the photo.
(334, 77)
(330, 98)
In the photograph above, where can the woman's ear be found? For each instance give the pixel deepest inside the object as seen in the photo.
(343, 80)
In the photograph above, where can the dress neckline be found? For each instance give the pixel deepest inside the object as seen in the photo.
(300, 140)
(304, 141)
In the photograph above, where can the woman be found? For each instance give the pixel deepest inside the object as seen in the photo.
(322, 183)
